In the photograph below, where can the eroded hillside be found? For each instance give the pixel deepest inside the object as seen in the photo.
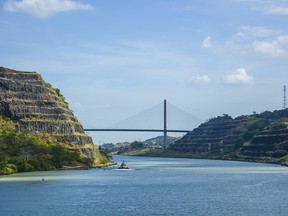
(260, 137)
(37, 108)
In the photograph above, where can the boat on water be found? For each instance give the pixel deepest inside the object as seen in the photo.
(123, 165)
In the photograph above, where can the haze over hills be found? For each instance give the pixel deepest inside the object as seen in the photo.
(156, 142)
(150, 118)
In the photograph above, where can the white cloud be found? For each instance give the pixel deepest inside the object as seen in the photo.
(272, 7)
(268, 48)
(275, 48)
(257, 31)
(199, 80)
(277, 11)
(260, 40)
(44, 8)
(247, 35)
(206, 43)
(239, 76)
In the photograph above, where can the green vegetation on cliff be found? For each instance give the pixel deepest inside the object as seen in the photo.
(24, 152)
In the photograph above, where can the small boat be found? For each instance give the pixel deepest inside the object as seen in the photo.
(123, 165)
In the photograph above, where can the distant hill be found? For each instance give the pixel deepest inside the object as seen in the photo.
(129, 147)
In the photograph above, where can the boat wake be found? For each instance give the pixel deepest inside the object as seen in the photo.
(124, 169)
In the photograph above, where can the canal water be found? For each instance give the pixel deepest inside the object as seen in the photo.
(153, 186)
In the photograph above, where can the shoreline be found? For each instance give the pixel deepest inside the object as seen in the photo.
(72, 167)
(227, 157)
(84, 167)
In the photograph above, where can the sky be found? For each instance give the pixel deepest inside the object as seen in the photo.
(115, 58)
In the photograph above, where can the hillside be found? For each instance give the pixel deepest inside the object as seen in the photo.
(272, 142)
(39, 110)
(139, 147)
(260, 137)
(215, 136)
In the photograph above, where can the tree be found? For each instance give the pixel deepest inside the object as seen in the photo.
(137, 145)
(58, 156)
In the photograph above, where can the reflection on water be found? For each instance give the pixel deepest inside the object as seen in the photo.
(155, 186)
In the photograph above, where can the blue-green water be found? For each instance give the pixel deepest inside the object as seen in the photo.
(155, 186)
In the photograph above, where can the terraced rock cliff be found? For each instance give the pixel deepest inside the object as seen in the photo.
(260, 137)
(218, 135)
(36, 107)
(271, 142)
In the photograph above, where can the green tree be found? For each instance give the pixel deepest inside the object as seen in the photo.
(137, 145)
(58, 156)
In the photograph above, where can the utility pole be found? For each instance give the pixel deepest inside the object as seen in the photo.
(165, 124)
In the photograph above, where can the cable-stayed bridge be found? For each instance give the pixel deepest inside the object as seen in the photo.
(156, 119)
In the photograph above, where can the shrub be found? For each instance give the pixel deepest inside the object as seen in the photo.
(6, 171)
(239, 143)
(24, 166)
(137, 145)
(280, 124)
(13, 167)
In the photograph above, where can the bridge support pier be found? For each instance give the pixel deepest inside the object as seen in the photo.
(165, 126)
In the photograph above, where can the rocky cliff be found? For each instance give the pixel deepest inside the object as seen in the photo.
(36, 107)
(260, 137)
(217, 135)
(271, 142)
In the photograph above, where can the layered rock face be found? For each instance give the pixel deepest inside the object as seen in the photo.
(260, 137)
(38, 108)
(215, 136)
(271, 142)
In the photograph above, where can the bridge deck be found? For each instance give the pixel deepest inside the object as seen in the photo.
(139, 130)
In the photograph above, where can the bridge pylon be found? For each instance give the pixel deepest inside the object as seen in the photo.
(165, 125)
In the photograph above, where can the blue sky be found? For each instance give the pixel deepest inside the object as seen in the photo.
(112, 59)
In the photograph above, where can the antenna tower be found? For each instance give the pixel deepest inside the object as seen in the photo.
(284, 98)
